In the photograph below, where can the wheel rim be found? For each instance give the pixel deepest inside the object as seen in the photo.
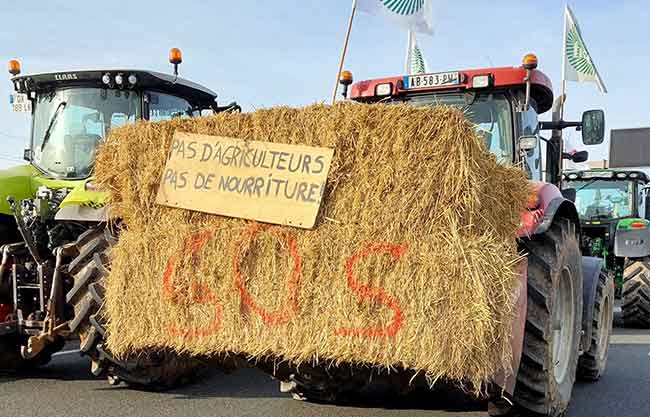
(563, 326)
(605, 327)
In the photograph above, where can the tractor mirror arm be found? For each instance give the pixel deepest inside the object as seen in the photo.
(559, 125)
(232, 107)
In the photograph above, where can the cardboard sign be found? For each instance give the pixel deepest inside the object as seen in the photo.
(269, 182)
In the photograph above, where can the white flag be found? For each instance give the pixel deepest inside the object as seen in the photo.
(415, 62)
(415, 15)
(578, 64)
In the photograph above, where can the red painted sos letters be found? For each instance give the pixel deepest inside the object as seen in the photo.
(365, 292)
(202, 295)
(291, 305)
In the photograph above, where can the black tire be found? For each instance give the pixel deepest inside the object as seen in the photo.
(554, 262)
(636, 294)
(592, 363)
(157, 370)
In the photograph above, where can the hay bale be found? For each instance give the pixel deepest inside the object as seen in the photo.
(411, 263)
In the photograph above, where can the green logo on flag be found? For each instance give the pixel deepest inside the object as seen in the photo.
(417, 62)
(404, 7)
(577, 54)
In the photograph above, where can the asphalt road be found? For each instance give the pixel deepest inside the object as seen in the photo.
(64, 388)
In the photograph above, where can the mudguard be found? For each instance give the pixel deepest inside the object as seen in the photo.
(551, 204)
(591, 268)
(632, 239)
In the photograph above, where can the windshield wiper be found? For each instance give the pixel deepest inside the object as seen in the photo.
(55, 116)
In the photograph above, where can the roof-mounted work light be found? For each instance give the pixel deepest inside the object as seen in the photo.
(14, 67)
(175, 58)
(529, 63)
(346, 80)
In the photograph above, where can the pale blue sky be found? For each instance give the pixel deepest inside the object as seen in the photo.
(285, 52)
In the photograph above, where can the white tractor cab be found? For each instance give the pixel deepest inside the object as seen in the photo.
(74, 110)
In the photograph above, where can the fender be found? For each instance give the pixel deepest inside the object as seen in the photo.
(558, 207)
(591, 268)
(551, 204)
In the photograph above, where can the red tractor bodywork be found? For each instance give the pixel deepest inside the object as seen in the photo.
(542, 209)
(505, 77)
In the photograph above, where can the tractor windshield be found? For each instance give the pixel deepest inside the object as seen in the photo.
(490, 112)
(70, 123)
(603, 199)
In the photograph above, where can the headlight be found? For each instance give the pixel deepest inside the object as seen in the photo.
(481, 81)
(384, 89)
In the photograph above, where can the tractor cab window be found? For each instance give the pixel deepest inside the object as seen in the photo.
(603, 199)
(530, 126)
(490, 113)
(70, 123)
(166, 107)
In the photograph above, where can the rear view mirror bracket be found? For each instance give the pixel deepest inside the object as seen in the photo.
(592, 126)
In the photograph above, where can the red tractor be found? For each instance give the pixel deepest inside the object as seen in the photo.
(564, 314)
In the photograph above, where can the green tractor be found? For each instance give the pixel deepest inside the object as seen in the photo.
(54, 234)
(614, 209)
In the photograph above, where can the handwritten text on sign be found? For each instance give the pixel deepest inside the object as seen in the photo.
(269, 182)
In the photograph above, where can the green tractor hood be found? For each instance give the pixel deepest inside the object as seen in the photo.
(23, 181)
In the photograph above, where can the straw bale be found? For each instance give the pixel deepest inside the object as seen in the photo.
(411, 263)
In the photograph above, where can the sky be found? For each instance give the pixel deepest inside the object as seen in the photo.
(283, 52)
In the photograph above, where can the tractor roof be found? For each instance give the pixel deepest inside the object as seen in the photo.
(146, 80)
(606, 174)
(505, 77)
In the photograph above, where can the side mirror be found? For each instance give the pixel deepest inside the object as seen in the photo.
(577, 157)
(593, 127)
(528, 143)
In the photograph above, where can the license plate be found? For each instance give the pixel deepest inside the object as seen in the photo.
(431, 80)
(20, 103)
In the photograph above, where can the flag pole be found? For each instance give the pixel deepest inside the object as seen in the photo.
(563, 96)
(566, 8)
(344, 51)
(409, 49)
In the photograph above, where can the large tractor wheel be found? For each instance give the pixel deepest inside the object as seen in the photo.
(592, 362)
(636, 294)
(150, 370)
(548, 365)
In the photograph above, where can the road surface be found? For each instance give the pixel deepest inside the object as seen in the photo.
(64, 388)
